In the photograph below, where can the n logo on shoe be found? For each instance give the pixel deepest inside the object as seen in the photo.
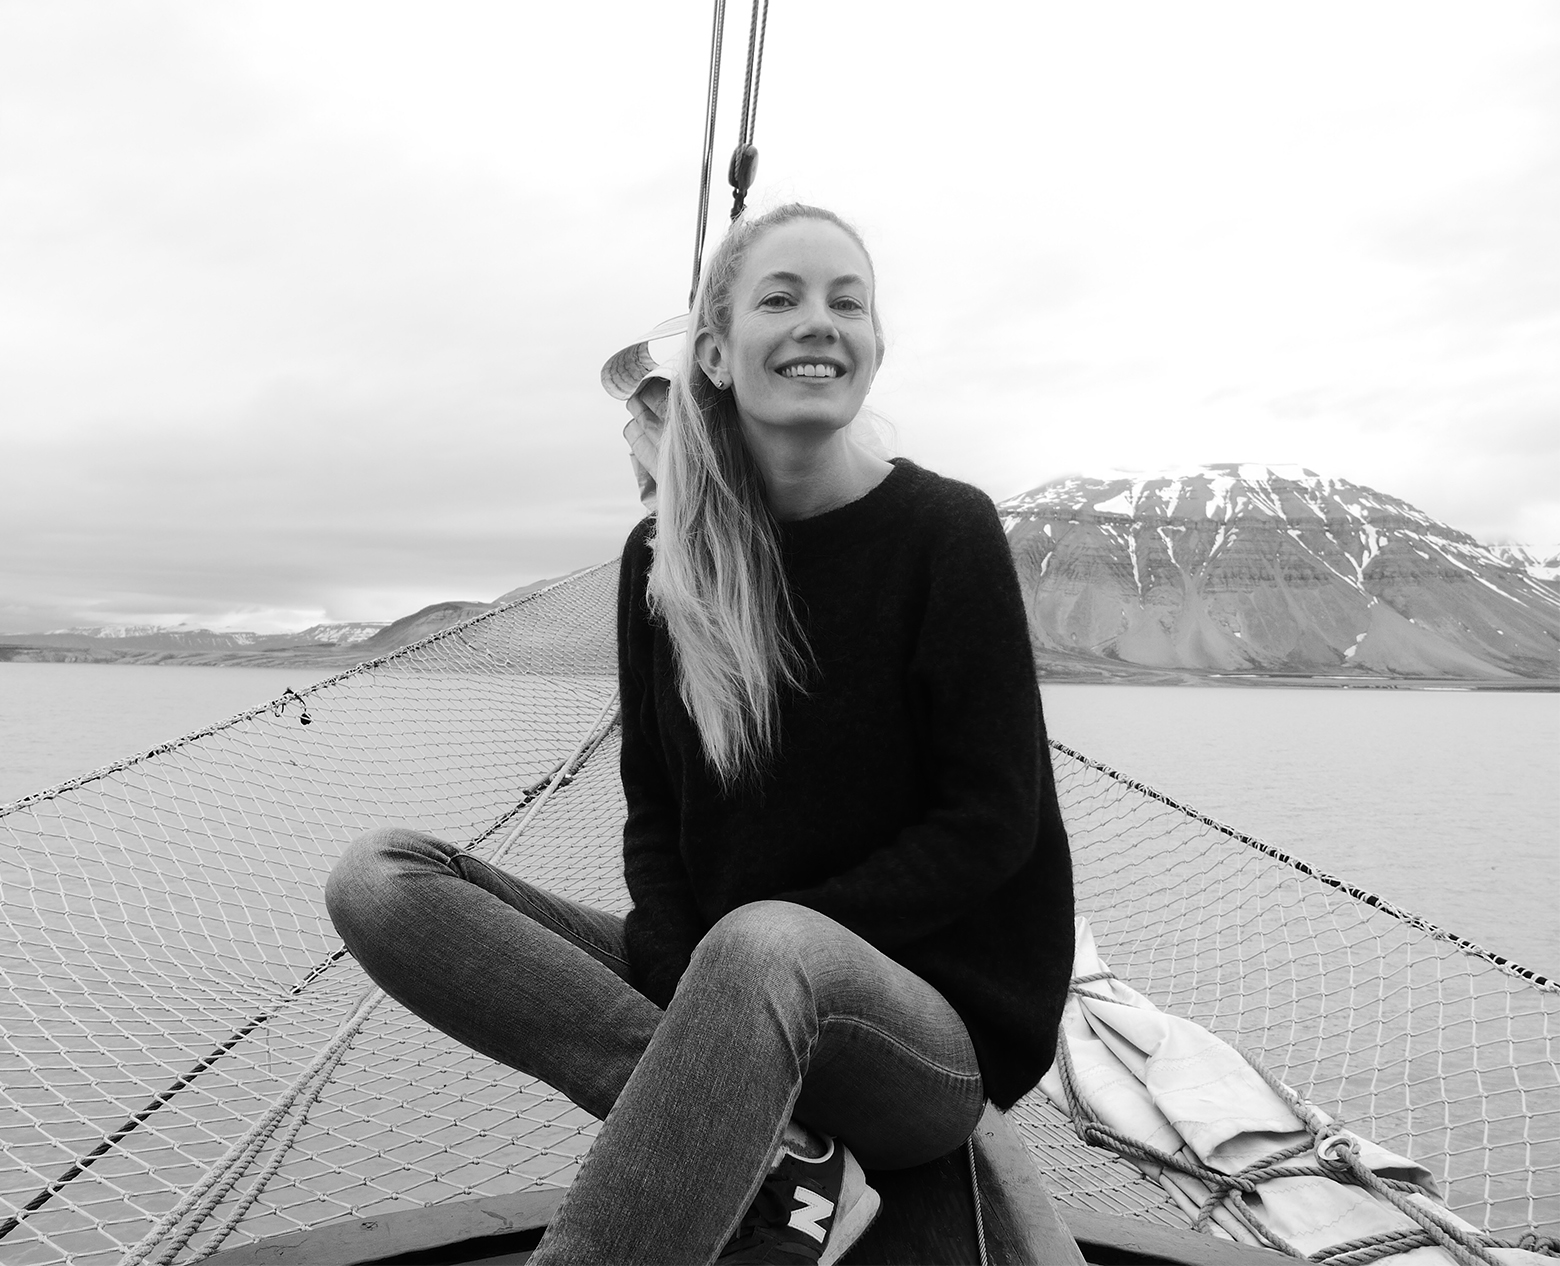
(810, 1217)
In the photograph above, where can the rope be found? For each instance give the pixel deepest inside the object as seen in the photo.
(711, 100)
(278, 705)
(1337, 1155)
(744, 159)
(222, 1176)
(980, 1220)
(596, 732)
(165, 1097)
(1507, 965)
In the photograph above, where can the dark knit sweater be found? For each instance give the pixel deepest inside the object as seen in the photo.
(911, 797)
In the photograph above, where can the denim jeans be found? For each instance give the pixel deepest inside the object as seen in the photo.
(781, 1012)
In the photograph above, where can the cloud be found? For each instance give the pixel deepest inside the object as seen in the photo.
(313, 324)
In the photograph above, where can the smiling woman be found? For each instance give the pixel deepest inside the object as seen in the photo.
(783, 348)
(852, 892)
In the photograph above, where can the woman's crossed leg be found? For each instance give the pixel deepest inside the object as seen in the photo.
(782, 1011)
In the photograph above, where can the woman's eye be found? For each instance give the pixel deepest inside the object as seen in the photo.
(850, 304)
(775, 301)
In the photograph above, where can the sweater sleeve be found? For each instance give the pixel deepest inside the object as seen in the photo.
(976, 709)
(664, 925)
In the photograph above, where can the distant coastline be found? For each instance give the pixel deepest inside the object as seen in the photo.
(1101, 672)
(1225, 575)
(314, 648)
(1051, 666)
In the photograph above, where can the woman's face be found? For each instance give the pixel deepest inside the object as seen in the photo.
(802, 349)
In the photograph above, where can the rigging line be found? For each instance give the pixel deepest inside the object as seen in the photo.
(744, 135)
(712, 98)
(1507, 965)
(225, 1172)
(80, 1167)
(758, 71)
(599, 729)
(744, 159)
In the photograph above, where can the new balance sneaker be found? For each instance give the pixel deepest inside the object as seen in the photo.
(806, 1211)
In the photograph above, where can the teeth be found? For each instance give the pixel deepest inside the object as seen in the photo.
(810, 371)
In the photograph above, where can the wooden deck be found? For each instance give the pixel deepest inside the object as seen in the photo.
(927, 1219)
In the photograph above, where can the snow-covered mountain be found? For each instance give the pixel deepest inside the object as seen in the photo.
(1542, 562)
(1249, 568)
(348, 634)
(178, 639)
(152, 643)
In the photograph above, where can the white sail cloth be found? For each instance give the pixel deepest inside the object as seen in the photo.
(1169, 1084)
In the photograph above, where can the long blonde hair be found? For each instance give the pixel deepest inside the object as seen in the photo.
(717, 579)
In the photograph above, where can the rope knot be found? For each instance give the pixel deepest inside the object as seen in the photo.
(1338, 1153)
(289, 695)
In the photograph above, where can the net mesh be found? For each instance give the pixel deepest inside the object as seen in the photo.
(189, 1059)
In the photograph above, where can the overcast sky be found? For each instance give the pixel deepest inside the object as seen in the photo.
(302, 305)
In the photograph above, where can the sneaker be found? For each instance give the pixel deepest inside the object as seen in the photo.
(806, 1211)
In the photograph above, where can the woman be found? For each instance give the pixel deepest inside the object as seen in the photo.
(852, 897)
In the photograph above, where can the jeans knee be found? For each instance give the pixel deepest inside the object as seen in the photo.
(761, 940)
(363, 866)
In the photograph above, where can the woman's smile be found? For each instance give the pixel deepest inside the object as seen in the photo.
(813, 370)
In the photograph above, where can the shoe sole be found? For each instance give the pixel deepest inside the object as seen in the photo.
(857, 1219)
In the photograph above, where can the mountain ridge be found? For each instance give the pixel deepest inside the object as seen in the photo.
(1236, 569)
(331, 645)
(1221, 573)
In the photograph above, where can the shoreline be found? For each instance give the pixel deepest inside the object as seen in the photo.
(1050, 668)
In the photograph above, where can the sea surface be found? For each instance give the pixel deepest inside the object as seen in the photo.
(59, 721)
(1444, 802)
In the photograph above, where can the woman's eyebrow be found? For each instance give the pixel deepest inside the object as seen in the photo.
(793, 279)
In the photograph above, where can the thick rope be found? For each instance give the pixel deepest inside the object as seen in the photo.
(594, 734)
(754, 69)
(163, 1098)
(744, 159)
(1337, 1155)
(232, 1163)
(312, 1088)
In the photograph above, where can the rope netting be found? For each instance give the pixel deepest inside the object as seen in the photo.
(190, 1061)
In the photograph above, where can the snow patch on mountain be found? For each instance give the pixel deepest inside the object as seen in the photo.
(1542, 562)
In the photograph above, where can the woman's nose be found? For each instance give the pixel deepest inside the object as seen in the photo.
(816, 320)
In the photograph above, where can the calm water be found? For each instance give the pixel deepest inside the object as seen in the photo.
(1444, 802)
(1441, 801)
(61, 720)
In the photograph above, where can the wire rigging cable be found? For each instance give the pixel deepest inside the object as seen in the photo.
(712, 97)
(744, 158)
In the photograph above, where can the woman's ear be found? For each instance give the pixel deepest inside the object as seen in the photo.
(711, 357)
